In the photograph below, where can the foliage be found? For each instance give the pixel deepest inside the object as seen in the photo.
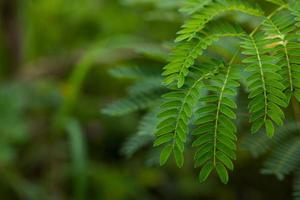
(143, 137)
(268, 55)
(283, 152)
(60, 61)
(268, 73)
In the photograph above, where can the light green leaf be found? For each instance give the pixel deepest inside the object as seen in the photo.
(178, 157)
(205, 171)
(269, 128)
(222, 173)
(165, 154)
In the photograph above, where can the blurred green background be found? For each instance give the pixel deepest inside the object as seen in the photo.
(55, 143)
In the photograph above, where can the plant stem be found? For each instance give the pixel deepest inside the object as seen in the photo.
(268, 17)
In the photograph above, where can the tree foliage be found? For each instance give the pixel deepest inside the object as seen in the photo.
(201, 85)
(268, 55)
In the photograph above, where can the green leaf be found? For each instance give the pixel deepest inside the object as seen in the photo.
(178, 157)
(165, 154)
(256, 126)
(184, 54)
(225, 160)
(205, 171)
(79, 157)
(222, 173)
(180, 81)
(265, 82)
(269, 128)
(176, 112)
(228, 112)
(163, 139)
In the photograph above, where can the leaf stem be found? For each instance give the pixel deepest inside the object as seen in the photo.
(268, 17)
(262, 76)
(219, 106)
(184, 102)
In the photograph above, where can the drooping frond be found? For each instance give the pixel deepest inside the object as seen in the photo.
(144, 135)
(199, 20)
(203, 96)
(192, 6)
(280, 30)
(135, 143)
(132, 103)
(150, 84)
(264, 84)
(152, 51)
(175, 114)
(286, 154)
(129, 72)
(143, 93)
(258, 144)
(215, 130)
(286, 132)
(284, 159)
(184, 54)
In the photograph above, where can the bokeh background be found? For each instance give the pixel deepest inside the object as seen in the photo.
(56, 144)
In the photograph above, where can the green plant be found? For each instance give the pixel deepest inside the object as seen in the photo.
(261, 54)
(268, 55)
(282, 152)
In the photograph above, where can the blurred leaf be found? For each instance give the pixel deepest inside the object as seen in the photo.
(79, 159)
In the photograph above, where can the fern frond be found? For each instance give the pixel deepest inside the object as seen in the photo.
(131, 104)
(271, 55)
(264, 84)
(129, 72)
(284, 159)
(280, 30)
(148, 85)
(175, 114)
(185, 54)
(215, 129)
(199, 20)
(286, 154)
(135, 143)
(144, 135)
(152, 51)
(192, 6)
(257, 144)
